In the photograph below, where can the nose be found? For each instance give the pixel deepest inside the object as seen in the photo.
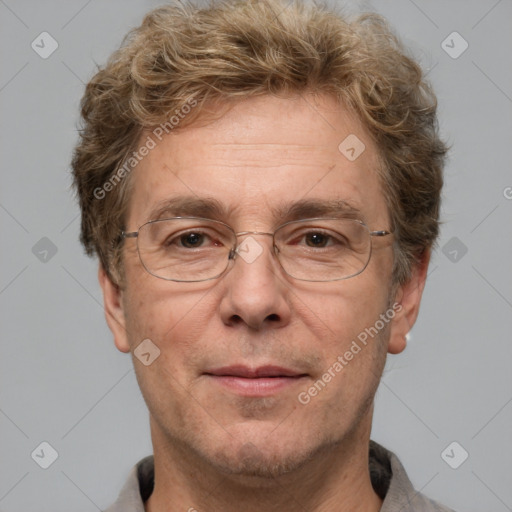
(255, 289)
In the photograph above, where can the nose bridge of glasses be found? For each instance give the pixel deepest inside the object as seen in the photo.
(248, 234)
(247, 249)
(244, 233)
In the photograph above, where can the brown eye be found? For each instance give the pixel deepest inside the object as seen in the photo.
(317, 239)
(192, 240)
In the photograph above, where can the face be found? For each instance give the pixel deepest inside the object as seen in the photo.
(255, 370)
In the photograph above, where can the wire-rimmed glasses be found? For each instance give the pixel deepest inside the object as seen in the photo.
(194, 249)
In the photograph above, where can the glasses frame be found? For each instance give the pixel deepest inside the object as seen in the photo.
(233, 251)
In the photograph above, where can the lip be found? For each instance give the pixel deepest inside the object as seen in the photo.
(253, 382)
(253, 373)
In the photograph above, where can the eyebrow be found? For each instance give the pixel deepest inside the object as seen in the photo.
(210, 208)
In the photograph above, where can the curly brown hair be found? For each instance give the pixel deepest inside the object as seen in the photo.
(236, 49)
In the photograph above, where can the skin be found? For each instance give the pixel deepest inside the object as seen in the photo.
(215, 449)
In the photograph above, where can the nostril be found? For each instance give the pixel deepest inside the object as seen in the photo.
(236, 319)
(273, 317)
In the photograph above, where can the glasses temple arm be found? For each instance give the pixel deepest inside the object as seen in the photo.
(132, 234)
(380, 233)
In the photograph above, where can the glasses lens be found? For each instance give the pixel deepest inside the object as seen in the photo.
(186, 249)
(323, 249)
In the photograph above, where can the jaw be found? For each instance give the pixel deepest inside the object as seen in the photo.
(265, 474)
(258, 446)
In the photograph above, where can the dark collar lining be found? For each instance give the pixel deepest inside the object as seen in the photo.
(380, 469)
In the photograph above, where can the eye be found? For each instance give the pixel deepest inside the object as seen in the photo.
(191, 240)
(317, 239)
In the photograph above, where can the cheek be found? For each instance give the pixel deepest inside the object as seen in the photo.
(170, 321)
(351, 340)
(173, 318)
(341, 311)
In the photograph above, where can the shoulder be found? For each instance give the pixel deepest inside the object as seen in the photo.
(137, 489)
(387, 472)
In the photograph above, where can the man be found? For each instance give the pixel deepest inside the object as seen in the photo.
(261, 183)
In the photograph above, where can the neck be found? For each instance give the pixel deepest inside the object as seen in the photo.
(335, 478)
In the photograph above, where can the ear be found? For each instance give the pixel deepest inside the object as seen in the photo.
(114, 310)
(408, 298)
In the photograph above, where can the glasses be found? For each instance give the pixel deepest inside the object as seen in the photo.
(192, 249)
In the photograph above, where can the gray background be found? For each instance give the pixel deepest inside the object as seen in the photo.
(63, 381)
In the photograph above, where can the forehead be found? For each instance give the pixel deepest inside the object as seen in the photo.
(259, 159)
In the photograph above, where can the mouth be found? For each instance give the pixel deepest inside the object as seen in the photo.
(261, 381)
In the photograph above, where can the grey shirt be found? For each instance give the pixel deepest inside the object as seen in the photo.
(388, 477)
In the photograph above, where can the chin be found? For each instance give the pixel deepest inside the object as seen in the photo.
(265, 459)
